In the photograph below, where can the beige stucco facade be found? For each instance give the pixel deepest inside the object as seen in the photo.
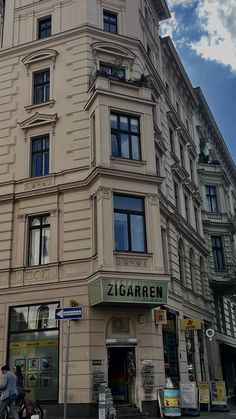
(78, 191)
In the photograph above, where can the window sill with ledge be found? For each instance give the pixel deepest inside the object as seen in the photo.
(30, 108)
(121, 160)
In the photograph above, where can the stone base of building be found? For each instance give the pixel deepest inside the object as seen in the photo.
(90, 410)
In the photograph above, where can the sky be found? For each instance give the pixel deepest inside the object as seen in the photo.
(204, 34)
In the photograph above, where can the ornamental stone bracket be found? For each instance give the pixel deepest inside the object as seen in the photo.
(180, 172)
(104, 193)
(153, 198)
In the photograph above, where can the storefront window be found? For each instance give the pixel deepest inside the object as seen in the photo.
(189, 337)
(33, 344)
(170, 350)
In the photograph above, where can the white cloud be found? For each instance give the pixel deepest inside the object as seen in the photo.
(182, 3)
(216, 21)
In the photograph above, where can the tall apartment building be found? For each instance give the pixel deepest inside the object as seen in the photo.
(217, 174)
(100, 205)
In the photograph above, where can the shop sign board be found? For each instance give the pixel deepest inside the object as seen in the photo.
(106, 291)
(204, 392)
(171, 401)
(63, 313)
(160, 316)
(188, 393)
(218, 393)
(190, 324)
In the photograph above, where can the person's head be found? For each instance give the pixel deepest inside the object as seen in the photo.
(17, 370)
(5, 368)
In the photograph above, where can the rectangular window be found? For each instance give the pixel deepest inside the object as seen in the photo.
(177, 108)
(41, 86)
(110, 21)
(196, 218)
(218, 253)
(171, 135)
(111, 70)
(44, 27)
(181, 150)
(176, 192)
(129, 219)
(186, 203)
(40, 156)
(211, 198)
(39, 239)
(125, 136)
(36, 325)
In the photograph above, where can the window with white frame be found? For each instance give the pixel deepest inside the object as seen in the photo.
(129, 220)
(218, 253)
(125, 136)
(41, 86)
(40, 155)
(39, 239)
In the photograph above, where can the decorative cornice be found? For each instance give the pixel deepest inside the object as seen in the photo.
(114, 49)
(38, 119)
(40, 55)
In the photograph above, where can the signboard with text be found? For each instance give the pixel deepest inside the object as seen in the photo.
(171, 401)
(106, 291)
(189, 399)
(190, 324)
(218, 393)
(204, 392)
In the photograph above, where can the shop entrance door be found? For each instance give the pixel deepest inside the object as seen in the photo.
(121, 374)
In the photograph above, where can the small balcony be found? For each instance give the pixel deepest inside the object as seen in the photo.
(140, 82)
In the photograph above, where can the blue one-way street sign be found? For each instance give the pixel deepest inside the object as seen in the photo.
(64, 313)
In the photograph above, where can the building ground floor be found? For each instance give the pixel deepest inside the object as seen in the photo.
(121, 340)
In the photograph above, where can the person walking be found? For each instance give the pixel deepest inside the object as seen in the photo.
(9, 392)
(19, 383)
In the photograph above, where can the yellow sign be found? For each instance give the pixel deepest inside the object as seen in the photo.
(160, 316)
(33, 344)
(218, 393)
(204, 392)
(190, 324)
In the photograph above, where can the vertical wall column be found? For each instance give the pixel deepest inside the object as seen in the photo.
(8, 28)
(105, 228)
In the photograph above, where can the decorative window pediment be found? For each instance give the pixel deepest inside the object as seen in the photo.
(39, 119)
(40, 55)
(113, 49)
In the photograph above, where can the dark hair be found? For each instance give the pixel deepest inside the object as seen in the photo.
(5, 368)
(18, 370)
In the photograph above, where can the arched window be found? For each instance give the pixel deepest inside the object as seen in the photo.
(181, 259)
(42, 317)
(202, 274)
(192, 267)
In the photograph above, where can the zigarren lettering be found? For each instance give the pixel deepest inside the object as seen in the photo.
(142, 291)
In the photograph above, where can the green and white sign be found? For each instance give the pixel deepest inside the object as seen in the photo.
(106, 291)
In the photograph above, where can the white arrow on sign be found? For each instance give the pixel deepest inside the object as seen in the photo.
(60, 314)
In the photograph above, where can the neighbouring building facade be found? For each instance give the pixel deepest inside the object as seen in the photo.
(217, 181)
(101, 206)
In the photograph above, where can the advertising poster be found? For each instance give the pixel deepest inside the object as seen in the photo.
(171, 401)
(218, 393)
(188, 392)
(204, 392)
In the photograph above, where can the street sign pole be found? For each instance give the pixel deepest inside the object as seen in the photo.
(66, 368)
(68, 313)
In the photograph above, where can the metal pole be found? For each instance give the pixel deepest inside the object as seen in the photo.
(66, 368)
